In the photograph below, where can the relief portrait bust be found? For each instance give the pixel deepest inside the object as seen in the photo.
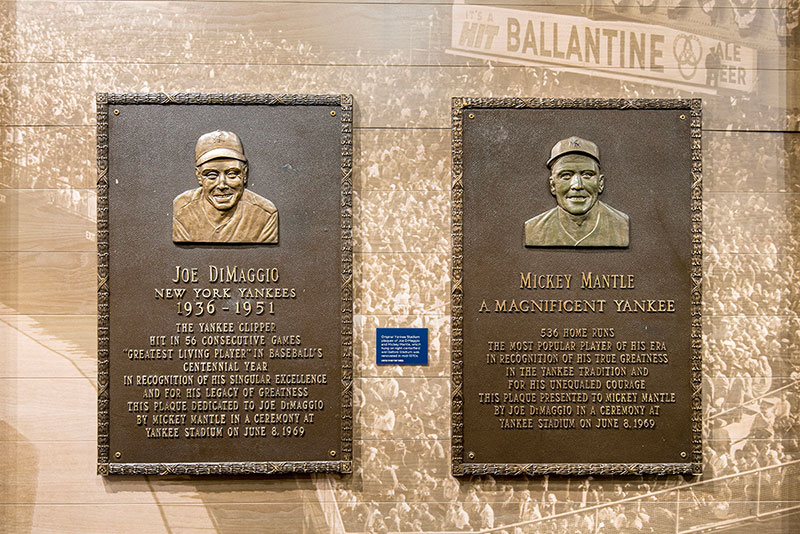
(222, 209)
(579, 219)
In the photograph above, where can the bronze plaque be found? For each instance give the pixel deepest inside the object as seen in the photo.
(576, 328)
(224, 283)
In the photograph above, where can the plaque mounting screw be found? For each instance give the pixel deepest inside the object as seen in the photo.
(683, 117)
(333, 454)
(471, 455)
(117, 455)
(333, 113)
(471, 115)
(116, 112)
(683, 455)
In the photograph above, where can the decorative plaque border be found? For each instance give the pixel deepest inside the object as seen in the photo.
(459, 466)
(105, 466)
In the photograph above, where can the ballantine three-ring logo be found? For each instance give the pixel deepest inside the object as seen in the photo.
(687, 50)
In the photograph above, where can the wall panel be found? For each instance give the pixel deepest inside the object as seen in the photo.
(392, 56)
(62, 94)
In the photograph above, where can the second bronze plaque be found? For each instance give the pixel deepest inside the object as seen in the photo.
(576, 286)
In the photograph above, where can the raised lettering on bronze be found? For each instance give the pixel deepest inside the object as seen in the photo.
(576, 330)
(218, 354)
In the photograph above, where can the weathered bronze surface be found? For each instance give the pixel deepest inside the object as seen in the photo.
(576, 334)
(223, 350)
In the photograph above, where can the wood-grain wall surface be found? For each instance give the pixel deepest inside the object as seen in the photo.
(391, 56)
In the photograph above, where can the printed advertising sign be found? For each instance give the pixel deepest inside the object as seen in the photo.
(621, 49)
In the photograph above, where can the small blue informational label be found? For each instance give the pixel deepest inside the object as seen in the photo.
(402, 346)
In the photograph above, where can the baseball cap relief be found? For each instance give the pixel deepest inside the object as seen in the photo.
(218, 144)
(573, 145)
